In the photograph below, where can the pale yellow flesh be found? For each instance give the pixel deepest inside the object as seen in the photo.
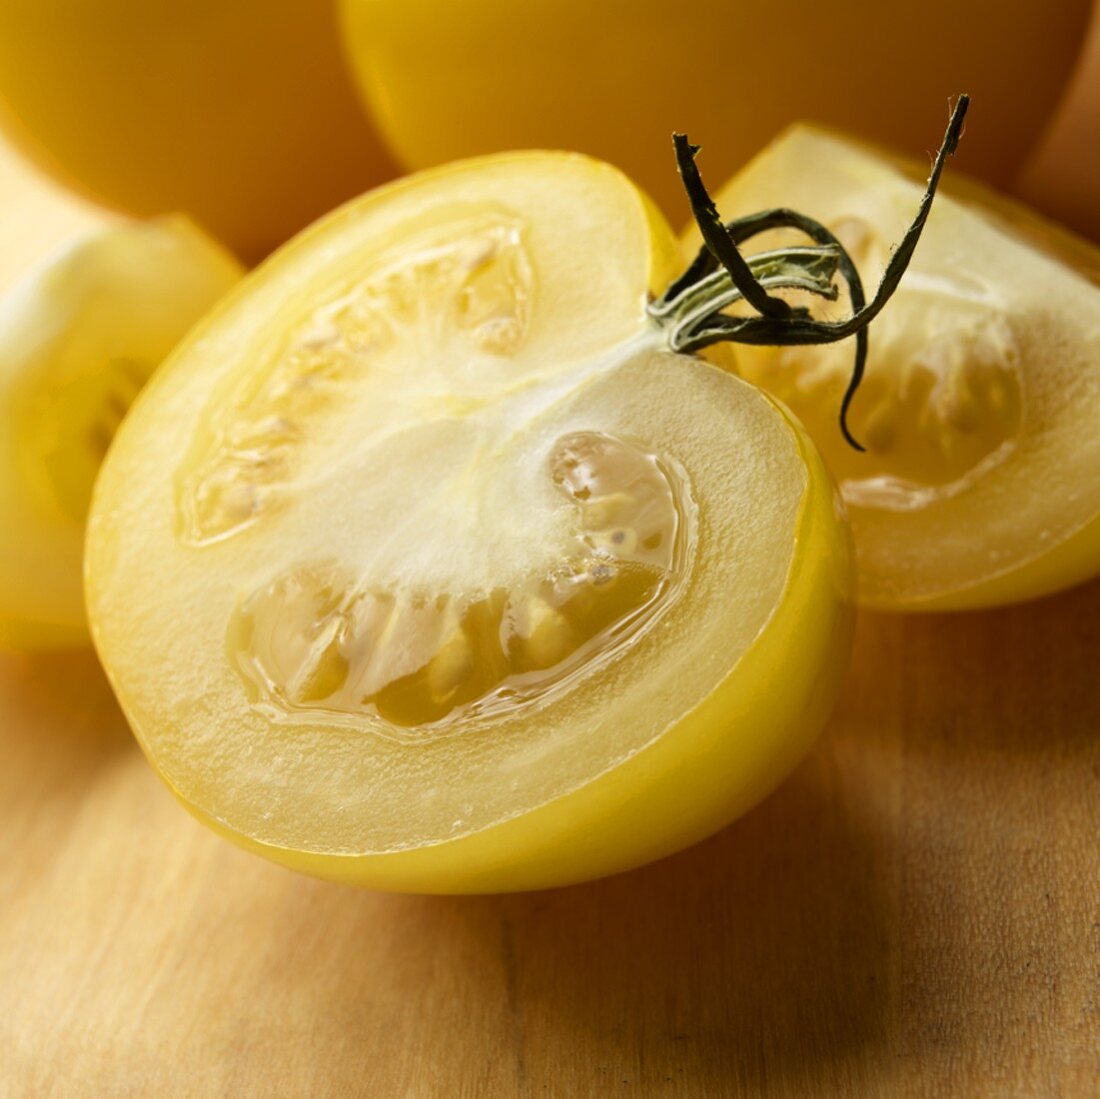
(710, 766)
(442, 537)
(981, 481)
(317, 640)
(79, 337)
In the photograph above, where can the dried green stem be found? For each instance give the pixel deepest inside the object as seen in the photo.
(692, 306)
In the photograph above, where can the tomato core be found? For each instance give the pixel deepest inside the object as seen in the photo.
(314, 644)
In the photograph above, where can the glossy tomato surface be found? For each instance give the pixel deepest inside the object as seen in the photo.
(240, 114)
(79, 337)
(616, 78)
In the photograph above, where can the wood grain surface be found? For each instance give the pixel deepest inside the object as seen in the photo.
(916, 912)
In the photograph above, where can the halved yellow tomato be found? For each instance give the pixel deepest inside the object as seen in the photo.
(423, 564)
(981, 478)
(78, 338)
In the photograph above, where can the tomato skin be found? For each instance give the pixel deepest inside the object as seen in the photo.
(1070, 563)
(240, 114)
(615, 79)
(1062, 174)
(712, 766)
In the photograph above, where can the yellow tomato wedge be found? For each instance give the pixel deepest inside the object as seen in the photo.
(423, 565)
(980, 483)
(79, 337)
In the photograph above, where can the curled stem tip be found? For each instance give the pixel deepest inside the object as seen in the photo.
(717, 240)
(692, 307)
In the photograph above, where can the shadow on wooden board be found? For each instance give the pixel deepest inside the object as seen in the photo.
(60, 715)
(903, 904)
(915, 898)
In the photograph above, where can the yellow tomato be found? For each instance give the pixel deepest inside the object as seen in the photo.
(615, 78)
(424, 565)
(238, 113)
(78, 339)
(980, 406)
(36, 217)
(1062, 173)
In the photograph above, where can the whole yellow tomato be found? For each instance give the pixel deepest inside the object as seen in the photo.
(1062, 175)
(614, 79)
(240, 114)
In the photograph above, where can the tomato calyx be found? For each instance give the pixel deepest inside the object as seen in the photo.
(691, 309)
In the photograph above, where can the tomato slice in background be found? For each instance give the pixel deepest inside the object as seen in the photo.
(423, 565)
(79, 337)
(980, 405)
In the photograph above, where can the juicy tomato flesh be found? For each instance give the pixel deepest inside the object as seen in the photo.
(311, 640)
(79, 337)
(980, 483)
(470, 583)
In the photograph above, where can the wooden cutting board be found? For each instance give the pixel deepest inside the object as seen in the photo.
(915, 912)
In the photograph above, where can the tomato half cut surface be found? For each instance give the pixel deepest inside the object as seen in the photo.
(423, 565)
(979, 410)
(79, 336)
